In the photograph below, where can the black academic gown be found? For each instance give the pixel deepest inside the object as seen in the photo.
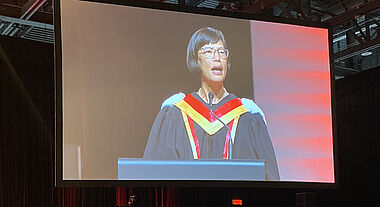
(168, 139)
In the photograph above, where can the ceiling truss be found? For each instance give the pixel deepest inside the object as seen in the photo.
(355, 22)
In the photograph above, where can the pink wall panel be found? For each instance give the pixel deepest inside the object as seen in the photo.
(291, 81)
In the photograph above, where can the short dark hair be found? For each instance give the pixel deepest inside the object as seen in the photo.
(200, 38)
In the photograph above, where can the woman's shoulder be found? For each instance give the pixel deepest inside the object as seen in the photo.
(169, 102)
(168, 112)
(252, 108)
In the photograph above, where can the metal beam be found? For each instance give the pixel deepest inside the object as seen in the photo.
(182, 2)
(362, 9)
(352, 34)
(360, 30)
(261, 5)
(14, 25)
(16, 11)
(27, 22)
(194, 2)
(345, 69)
(323, 12)
(30, 7)
(357, 50)
(285, 11)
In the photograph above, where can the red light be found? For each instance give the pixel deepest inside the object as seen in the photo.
(237, 202)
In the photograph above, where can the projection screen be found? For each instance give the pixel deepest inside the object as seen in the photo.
(124, 70)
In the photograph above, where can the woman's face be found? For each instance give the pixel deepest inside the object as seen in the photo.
(212, 60)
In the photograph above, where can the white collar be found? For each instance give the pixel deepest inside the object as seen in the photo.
(224, 95)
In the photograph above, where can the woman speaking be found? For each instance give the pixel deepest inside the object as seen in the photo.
(194, 126)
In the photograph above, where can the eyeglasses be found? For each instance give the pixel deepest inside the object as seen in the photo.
(210, 52)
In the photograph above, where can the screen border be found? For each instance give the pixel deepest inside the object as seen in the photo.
(58, 170)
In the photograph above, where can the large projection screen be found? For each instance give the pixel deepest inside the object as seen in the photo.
(120, 63)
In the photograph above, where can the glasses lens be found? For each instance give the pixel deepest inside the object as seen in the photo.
(211, 52)
(222, 53)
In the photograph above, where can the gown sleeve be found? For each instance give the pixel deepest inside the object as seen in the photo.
(263, 146)
(161, 143)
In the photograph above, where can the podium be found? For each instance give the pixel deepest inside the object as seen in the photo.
(226, 170)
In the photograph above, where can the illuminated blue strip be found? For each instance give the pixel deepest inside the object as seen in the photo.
(189, 163)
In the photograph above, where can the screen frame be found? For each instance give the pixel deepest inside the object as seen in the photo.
(59, 182)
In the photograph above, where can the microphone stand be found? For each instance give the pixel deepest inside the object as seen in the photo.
(210, 97)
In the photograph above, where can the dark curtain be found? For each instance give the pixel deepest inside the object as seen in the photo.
(358, 127)
(27, 145)
(26, 128)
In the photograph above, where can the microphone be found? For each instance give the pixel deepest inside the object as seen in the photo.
(210, 97)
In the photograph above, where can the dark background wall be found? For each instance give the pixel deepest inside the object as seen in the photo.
(358, 127)
(27, 123)
(27, 145)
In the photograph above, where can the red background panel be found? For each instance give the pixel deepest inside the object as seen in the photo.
(291, 81)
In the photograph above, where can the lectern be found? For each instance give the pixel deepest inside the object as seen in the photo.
(228, 170)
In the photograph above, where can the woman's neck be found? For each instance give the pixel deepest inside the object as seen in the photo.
(217, 89)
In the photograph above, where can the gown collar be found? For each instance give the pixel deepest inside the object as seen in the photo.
(194, 107)
(224, 100)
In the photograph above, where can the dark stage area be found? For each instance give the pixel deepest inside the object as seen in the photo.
(27, 146)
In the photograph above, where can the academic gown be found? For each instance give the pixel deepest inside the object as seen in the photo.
(169, 139)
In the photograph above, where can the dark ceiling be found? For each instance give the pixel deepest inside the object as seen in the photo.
(356, 43)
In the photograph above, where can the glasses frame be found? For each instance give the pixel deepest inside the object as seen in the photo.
(207, 56)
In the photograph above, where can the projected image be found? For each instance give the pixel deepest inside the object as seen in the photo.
(211, 123)
(184, 88)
